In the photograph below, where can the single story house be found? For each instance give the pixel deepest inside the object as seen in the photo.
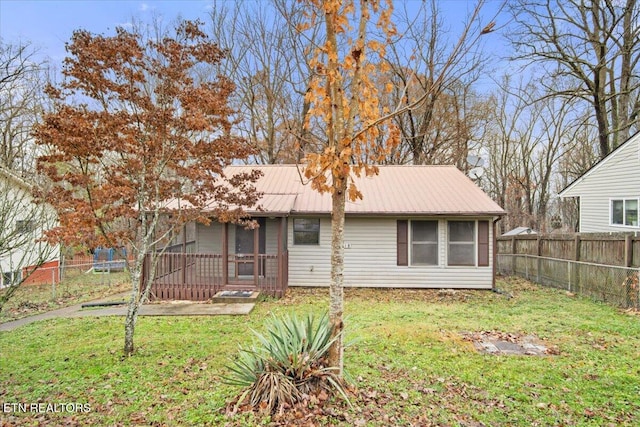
(416, 227)
(609, 192)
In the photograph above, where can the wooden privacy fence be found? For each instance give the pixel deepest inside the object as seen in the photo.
(604, 267)
(609, 249)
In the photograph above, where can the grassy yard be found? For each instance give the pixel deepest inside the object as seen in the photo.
(409, 362)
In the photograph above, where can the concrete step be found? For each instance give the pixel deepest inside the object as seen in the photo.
(235, 297)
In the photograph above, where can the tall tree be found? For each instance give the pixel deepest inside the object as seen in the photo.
(345, 103)
(420, 65)
(138, 144)
(344, 99)
(595, 44)
(530, 134)
(268, 62)
(22, 80)
(21, 105)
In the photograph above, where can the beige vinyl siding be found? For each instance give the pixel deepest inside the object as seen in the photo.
(370, 259)
(309, 265)
(617, 177)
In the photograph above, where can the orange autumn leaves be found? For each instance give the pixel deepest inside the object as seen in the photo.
(135, 127)
(344, 93)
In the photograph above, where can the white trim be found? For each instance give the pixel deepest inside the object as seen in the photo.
(624, 211)
(17, 180)
(580, 211)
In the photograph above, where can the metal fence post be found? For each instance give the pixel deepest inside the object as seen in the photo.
(539, 259)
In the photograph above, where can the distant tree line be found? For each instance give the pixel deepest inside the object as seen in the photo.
(570, 94)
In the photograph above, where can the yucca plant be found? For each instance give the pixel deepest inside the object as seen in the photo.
(287, 364)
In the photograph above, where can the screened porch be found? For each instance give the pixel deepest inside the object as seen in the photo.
(207, 259)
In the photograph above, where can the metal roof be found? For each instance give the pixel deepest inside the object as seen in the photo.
(396, 190)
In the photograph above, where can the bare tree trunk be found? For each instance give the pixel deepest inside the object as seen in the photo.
(336, 291)
(130, 326)
(133, 307)
(626, 71)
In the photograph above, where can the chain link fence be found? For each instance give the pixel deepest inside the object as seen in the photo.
(81, 271)
(610, 284)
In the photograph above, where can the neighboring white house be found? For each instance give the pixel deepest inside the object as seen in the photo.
(21, 226)
(416, 227)
(609, 192)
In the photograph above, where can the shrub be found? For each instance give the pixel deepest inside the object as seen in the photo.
(287, 365)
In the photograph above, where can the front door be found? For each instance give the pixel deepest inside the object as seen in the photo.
(245, 239)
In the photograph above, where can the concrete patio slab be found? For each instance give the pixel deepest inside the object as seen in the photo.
(180, 308)
(500, 343)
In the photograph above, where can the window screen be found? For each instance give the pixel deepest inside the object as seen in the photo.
(424, 242)
(461, 249)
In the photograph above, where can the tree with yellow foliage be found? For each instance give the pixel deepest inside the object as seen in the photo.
(344, 97)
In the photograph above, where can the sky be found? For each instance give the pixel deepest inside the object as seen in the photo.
(49, 24)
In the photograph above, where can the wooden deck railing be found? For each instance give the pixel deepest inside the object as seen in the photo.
(198, 277)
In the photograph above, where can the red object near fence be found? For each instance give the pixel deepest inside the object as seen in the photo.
(47, 273)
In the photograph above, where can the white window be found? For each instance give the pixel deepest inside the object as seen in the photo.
(8, 278)
(462, 243)
(306, 231)
(424, 242)
(624, 212)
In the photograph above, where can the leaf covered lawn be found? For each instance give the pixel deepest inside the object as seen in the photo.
(408, 362)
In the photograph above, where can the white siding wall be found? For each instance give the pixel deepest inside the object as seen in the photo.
(370, 259)
(617, 177)
(30, 250)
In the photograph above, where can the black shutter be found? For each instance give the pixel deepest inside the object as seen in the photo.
(403, 242)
